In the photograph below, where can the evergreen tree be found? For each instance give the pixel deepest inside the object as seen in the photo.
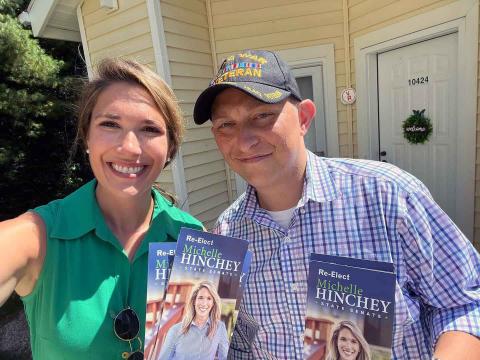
(39, 79)
(37, 91)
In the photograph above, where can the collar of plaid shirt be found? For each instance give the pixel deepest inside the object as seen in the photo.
(319, 186)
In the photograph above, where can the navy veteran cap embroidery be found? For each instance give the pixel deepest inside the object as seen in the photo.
(259, 73)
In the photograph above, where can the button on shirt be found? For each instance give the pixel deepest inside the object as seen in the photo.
(362, 209)
(195, 345)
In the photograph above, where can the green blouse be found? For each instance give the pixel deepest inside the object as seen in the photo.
(87, 278)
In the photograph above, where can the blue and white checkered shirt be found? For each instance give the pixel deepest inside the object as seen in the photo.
(363, 209)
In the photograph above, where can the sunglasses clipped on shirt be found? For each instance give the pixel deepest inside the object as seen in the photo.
(126, 327)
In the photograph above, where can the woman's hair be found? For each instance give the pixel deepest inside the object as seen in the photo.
(113, 70)
(364, 352)
(215, 312)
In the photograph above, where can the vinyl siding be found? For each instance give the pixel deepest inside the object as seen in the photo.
(124, 32)
(191, 66)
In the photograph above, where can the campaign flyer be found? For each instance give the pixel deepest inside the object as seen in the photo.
(350, 309)
(199, 308)
(160, 261)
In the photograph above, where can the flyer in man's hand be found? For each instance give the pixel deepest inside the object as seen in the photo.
(350, 309)
(199, 308)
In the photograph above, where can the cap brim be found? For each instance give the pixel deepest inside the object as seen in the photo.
(203, 105)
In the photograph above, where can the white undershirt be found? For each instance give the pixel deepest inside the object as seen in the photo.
(282, 217)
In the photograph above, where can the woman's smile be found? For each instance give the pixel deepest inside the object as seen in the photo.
(127, 140)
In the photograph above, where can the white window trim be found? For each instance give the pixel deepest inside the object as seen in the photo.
(163, 69)
(461, 17)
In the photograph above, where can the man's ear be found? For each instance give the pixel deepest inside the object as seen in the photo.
(306, 113)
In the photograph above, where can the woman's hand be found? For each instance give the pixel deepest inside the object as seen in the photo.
(22, 251)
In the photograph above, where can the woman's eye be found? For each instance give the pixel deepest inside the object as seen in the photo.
(109, 124)
(152, 129)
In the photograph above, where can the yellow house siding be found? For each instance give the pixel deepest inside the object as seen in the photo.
(380, 13)
(124, 32)
(191, 67)
(229, 13)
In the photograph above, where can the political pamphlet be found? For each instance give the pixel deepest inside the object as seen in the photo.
(350, 308)
(200, 300)
(160, 261)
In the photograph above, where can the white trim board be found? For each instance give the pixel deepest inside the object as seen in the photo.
(461, 17)
(40, 12)
(83, 36)
(163, 69)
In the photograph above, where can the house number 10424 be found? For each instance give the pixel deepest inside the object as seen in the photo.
(417, 81)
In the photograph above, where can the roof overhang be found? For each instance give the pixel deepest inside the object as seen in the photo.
(54, 19)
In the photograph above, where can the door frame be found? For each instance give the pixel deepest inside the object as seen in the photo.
(323, 55)
(316, 73)
(462, 17)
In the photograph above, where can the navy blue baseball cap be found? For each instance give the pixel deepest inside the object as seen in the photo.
(259, 73)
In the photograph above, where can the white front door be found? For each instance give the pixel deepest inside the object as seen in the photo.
(416, 77)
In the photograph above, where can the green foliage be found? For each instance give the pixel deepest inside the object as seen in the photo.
(37, 89)
(23, 61)
(12, 7)
(417, 128)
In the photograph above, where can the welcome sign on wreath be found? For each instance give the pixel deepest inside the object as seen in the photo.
(417, 128)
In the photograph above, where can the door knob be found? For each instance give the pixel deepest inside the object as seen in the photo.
(383, 153)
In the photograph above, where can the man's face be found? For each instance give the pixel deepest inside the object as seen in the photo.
(262, 142)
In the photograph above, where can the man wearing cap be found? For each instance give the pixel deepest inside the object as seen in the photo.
(297, 204)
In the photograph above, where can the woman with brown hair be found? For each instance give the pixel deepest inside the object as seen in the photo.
(80, 263)
(201, 334)
(348, 343)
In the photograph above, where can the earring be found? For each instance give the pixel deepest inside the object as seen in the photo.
(87, 151)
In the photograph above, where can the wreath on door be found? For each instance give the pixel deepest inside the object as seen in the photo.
(417, 128)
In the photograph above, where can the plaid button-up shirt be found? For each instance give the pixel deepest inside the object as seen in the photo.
(363, 209)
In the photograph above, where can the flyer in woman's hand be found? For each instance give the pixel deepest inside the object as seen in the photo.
(350, 309)
(160, 261)
(199, 306)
